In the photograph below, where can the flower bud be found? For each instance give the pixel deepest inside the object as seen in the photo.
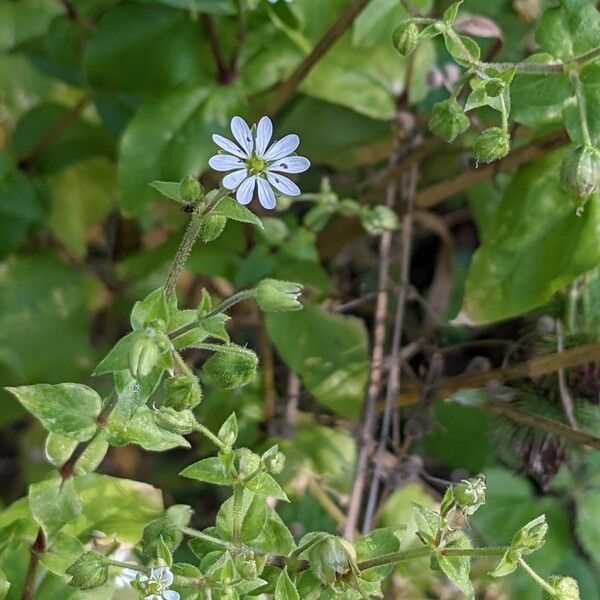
(531, 537)
(160, 529)
(275, 295)
(143, 356)
(406, 37)
(275, 463)
(566, 588)
(246, 566)
(212, 227)
(232, 368)
(190, 191)
(183, 391)
(448, 120)
(247, 462)
(580, 173)
(89, 571)
(469, 494)
(380, 219)
(181, 422)
(491, 145)
(331, 558)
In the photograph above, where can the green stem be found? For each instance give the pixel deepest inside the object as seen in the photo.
(587, 57)
(118, 563)
(541, 582)
(304, 547)
(475, 552)
(582, 104)
(212, 437)
(393, 558)
(238, 497)
(231, 301)
(208, 538)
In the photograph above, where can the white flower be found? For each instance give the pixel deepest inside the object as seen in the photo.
(124, 579)
(257, 165)
(155, 586)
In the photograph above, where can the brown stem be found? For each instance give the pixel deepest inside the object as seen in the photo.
(224, 74)
(29, 158)
(287, 89)
(439, 192)
(375, 377)
(394, 375)
(37, 549)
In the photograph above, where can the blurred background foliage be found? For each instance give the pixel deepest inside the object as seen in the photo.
(100, 97)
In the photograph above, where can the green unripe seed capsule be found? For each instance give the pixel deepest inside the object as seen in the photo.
(182, 422)
(212, 227)
(191, 191)
(470, 494)
(448, 120)
(566, 589)
(183, 391)
(89, 571)
(275, 295)
(406, 37)
(491, 145)
(580, 173)
(232, 369)
(143, 356)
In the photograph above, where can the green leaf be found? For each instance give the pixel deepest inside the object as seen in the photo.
(428, 522)
(117, 357)
(329, 352)
(63, 552)
(82, 197)
(285, 588)
(80, 141)
(68, 409)
(588, 521)
(215, 326)
(4, 585)
(508, 564)
(553, 34)
(134, 393)
(254, 517)
(170, 189)
(154, 306)
(264, 485)
(132, 36)
(228, 432)
(536, 246)
(59, 449)
(214, 7)
(379, 542)
(462, 52)
(169, 137)
(19, 205)
(119, 508)
(231, 209)
(210, 470)
(458, 568)
(451, 12)
(141, 429)
(54, 503)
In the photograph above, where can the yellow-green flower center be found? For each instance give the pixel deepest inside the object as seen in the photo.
(256, 165)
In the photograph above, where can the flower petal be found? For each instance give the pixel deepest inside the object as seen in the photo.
(283, 147)
(242, 134)
(229, 146)
(224, 162)
(233, 180)
(264, 132)
(290, 164)
(246, 191)
(171, 595)
(266, 196)
(283, 184)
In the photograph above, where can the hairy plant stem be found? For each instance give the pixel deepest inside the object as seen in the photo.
(238, 498)
(231, 301)
(208, 538)
(541, 582)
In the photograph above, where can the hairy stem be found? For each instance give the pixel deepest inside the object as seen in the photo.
(541, 582)
(238, 497)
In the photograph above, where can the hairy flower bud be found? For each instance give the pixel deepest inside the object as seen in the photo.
(247, 462)
(160, 529)
(89, 571)
(183, 391)
(143, 356)
(232, 368)
(331, 558)
(448, 120)
(406, 37)
(190, 191)
(246, 566)
(275, 295)
(580, 173)
(470, 494)
(275, 463)
(566, 588)
(491, 145)
(182, 422)
(531, 537)
(212, 227)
